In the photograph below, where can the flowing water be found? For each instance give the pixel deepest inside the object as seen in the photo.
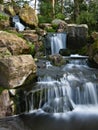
(54, 42)
(58, 41)
(69, 102)
(77, 88)
(18, 25)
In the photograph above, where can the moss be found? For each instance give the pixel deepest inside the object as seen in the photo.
(83, 51)
(17, 33)
(95, 46)
(50, 30)
(1, 89)
(3, 17)
(32, 48)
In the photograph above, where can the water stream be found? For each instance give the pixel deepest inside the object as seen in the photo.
(18, 25)
(68, 102)
(77, 87)
(54, 42)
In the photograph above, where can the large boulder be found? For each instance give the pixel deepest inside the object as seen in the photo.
(10, 10)
(76, 36)
(93, 52)
(93, 49)
(28, 16)
(5, 103)
(57, 59)
(15, 70)
(61, 25)
(14, 44)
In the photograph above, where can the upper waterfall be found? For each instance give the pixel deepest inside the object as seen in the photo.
(58, 41)
(55, 42)
(18, 25)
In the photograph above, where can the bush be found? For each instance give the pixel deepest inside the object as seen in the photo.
(87, 18)
(44, 19)
(60, 16)
(32, 49)
(3, 17)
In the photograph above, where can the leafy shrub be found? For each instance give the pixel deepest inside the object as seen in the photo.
(60, 16)
(32, 48)
(87, 18)
(50, 30)
(3, 16)
(44, 19)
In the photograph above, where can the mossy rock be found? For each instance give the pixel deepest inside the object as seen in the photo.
(4, 52)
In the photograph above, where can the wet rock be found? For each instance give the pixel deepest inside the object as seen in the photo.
(56, 59)
(5, 104)
(96, 58)
(76, 36)
(93, 52)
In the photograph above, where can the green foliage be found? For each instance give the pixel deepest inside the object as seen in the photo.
(89, 15)
(60, 16)
(1, 1)
(50, 30)
(44, 19)
(95, 47)
(55, 26)
(32, 48)
(3, 16)
(86, 17)
(17, 33)
(1, 89)
(46, 12)
(83, 51)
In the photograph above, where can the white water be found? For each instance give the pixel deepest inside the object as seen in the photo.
(77, 87)
(18, 25)
(58, 41)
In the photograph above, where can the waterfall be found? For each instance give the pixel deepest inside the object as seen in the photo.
(58, 41)
(67, 103)
(54, 42)
(19, 26)
(77, 86)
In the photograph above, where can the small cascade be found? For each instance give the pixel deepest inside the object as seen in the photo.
(55, 42)
(58, 41)
(48, 64)
(19, 26)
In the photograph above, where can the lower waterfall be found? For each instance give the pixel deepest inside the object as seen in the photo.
(68, 101)
(77, 87)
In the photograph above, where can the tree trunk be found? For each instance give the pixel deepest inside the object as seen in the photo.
(62, 6)
(53, 8)
(35, 5)
(76, 9)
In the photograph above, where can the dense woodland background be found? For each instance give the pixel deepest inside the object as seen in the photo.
(73, 11)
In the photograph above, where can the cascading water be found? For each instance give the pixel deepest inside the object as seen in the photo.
(69, 102)
(58, 41)
(55, 42)
(19, 26)
(77, 86)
